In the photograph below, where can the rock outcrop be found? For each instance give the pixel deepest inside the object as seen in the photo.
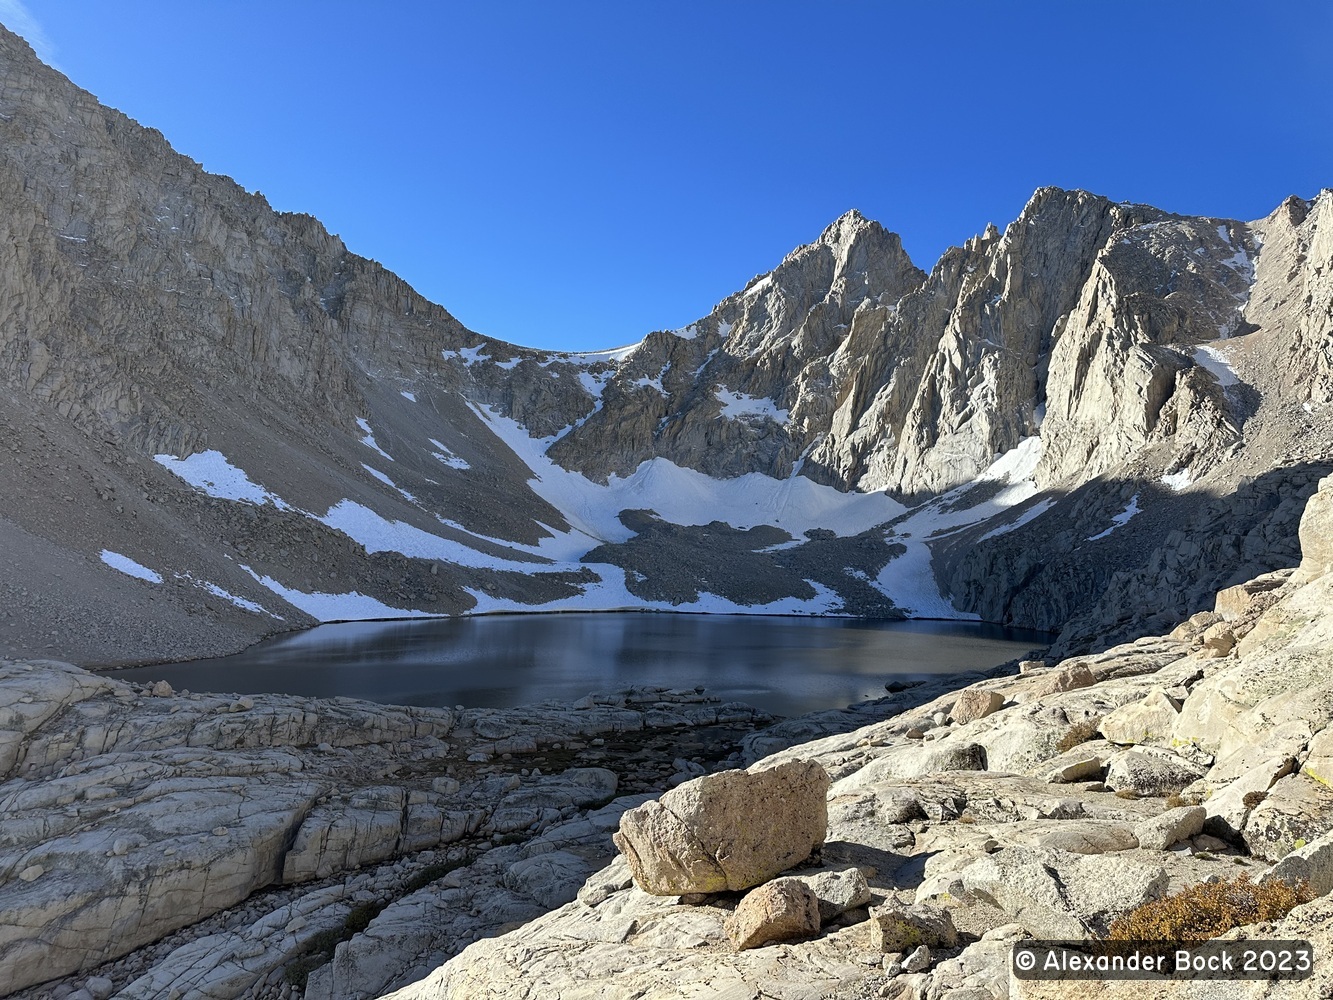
(131, 812)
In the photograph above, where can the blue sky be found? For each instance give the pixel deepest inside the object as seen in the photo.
(576, 174)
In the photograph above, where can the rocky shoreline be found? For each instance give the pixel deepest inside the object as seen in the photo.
(133, 812)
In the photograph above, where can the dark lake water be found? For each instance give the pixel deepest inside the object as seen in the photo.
(786, 666)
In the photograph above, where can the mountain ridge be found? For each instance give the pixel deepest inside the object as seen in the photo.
(230, 399)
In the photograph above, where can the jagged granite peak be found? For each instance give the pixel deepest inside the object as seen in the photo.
(760, 361)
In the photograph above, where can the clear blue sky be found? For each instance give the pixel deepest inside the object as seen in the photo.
(576, 174)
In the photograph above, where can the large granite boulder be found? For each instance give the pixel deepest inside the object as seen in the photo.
(728, 831)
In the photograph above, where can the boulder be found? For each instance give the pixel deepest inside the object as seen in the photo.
(896, 928)
(1076, 675)
(1151, 720)
(780, 910)
(1161, 832)
(1150, 774)
(837, 891)
(728, 831)
(1219, 639)
(1296, 811)
(975, 704)
(1312, 863)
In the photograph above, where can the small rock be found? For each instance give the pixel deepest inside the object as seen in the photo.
(918, 960)
(1070, 678)
(100, 987)
(837, 891)
(32, 873)
(940, 719)
(162, 690)
(780, 910)
(976, 704)
(1161, 832)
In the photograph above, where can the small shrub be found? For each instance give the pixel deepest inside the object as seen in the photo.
(1126, 793)
(1079, 732)
(320, 948)
(1204, 911)
(431, 873)
(360, 917)
(1174, 801)
(967, 817)
(1252, 799)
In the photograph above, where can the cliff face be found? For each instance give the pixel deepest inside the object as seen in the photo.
(1104, 411)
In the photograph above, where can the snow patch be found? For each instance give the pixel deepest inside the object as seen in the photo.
(1120, 518)
(411, 397)
(739, 406)
(614, 354)
(323, 607)
(687, 332)
(594, 384)
(376, 533)
(681, 496)
(211, 473)
(1017, 464)
(448, 457)
(508, 365)
(758, 286)
(909, 580)
(1031, 514)
(650, 383)
(389, 482)
(369, 439)
(1178, 480)
(1215, 361)
(468, 355)
(129, 567)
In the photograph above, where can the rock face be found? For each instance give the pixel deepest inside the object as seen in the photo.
(726, 832)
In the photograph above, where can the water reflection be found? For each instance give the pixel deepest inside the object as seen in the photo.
(786, 666)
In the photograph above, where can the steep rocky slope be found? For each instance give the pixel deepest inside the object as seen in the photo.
(220, 422)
